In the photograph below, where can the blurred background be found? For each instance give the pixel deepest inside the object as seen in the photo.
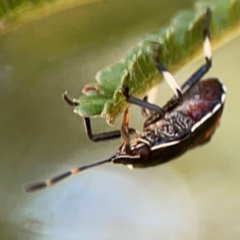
(194, 197)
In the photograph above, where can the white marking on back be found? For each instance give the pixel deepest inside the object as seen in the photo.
(128, 156)
(196, 125)
(223, 98)
(164, 145)
(224, 88)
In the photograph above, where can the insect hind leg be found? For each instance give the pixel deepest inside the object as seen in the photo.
(139, 102)
(201, 71)
(167, 75)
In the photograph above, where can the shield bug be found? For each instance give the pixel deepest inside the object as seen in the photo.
(187, 120)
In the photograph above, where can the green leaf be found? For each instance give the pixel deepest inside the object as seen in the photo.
(179, 41)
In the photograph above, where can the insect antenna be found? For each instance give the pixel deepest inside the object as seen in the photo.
(40, 185)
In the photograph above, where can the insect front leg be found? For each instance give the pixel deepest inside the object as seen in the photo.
(87, 122)
(197, 75)
(124, 133)
(72, 102)
(97, 137)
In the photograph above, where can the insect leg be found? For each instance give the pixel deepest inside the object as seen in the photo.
(139, 102)
(123, 133)
(126, 132)
(167, 75)
(145, 112)
(72, 102)
(151, 116)
(94, 137)
(124, 128)
(97, 137)
(197, 75)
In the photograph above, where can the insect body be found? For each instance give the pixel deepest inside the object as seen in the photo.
(190, 124)
(189, 119)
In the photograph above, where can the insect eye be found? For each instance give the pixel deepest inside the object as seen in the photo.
(144, 151)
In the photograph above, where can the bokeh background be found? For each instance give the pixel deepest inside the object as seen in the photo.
(194, 197)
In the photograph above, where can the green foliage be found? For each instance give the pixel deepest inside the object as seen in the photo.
(180, 40)
(7, 6)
